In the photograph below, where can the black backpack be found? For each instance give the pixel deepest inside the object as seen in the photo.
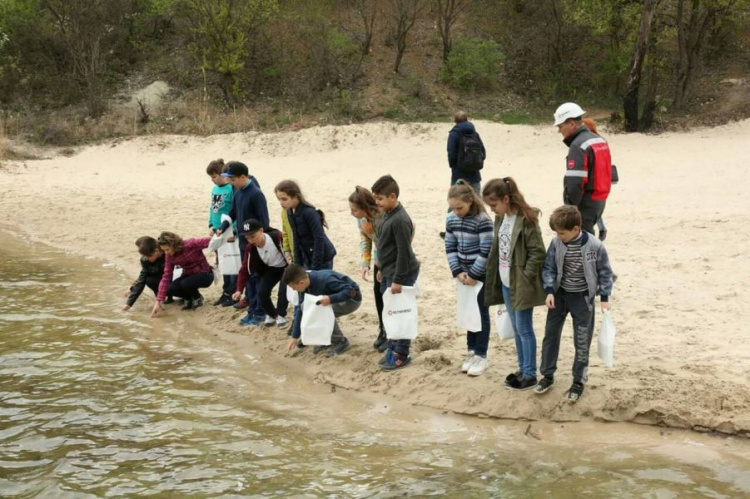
(470, 152)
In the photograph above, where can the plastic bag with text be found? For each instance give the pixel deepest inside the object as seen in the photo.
(504, 325)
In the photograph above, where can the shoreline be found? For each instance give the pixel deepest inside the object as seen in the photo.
(665, 362)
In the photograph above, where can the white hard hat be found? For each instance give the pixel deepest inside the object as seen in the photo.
(567, 111)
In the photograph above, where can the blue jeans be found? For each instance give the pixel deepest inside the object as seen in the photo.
(252, 291)
(525, 338)
(400, 347)
(230, 285)
(479, 340)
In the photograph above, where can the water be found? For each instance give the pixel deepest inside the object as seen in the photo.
(94, 403)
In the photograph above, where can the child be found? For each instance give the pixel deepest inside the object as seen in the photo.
(576, 268)
(468, 240)
(514, 271)
(398, 264)
(221, 204)
(196, 272)
(152, 268)
(248, 202)
(312, 248)
(263, 255)
(336, 290)
(364, 208)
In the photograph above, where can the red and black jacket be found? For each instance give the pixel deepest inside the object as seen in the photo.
(588, 174)
(252, 261)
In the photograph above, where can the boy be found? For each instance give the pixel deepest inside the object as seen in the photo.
(248, 202)
(264, 255)
(221, 204)
(575, 269)
(336, 290)
(152, 268)
(398, 265)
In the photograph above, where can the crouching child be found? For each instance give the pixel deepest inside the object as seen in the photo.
(336, 290)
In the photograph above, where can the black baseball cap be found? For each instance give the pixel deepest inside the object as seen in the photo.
(251, 226)
(236, 169)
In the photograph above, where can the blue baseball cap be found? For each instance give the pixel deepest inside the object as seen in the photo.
(236, 169)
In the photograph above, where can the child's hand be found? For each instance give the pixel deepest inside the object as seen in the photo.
(365, 273)
(379, 277)
(236, 296)
(462, 277)
(127, 307)
(550, 301)
(231, 239)
(292, 344)
(605, 306)
(396, 288)
(288, 257)
(210, 232)
(324, 300)
(469, 281)
(157, 307)
(219, 232)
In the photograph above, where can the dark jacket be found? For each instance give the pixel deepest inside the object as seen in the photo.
(338, 287)
(395, 254)
(465, 127)
(253, 263)
(147, 269)
(588, 168)
(248, 202)
(312, 248)
(526, 262)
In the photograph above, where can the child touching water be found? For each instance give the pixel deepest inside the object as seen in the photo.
(152, 268)
(468, 240)
(364, 208)
(196, 272)
(514, 271)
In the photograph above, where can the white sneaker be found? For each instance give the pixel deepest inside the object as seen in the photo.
(269, 321)
(281, 322)
(468, 362)
(478, 366)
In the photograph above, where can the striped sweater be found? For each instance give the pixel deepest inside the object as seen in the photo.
(468, 241)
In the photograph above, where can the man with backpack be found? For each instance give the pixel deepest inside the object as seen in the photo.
(466, 152)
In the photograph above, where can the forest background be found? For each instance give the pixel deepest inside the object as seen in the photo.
(69, 69)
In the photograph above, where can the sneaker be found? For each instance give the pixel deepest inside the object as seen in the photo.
(222, 299)
(397, 362)
(241, 304)
(338, 348)
(319, 348)
(198, 302)
(169, 300)
(575, 393)
(468, 361)
(512, 376)
(300, 344)
(250, 320)
(188, 305)
(386, 358)
(522, 383)
(268, 321)
(478, 367)
(229, 302)
(281, 322)
(544, 385)
(381, 339)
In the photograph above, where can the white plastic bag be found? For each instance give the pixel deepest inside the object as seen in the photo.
(467, 307)
(176, 272)
(292, 296)
(219, 240)
(317, 322)
(400, 315)
(229, 258)
(504, 325)
(217, 274)
(607, 334)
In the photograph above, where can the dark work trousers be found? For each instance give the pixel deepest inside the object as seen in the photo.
(378, 298)
(583, 331)
(400, 347)
(282, 301)
(270, 278)
(591, 212)
(187, 286)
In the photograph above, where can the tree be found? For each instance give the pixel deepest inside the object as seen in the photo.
(366, 10)
(448, 12)
(630, 102)
(405, 14)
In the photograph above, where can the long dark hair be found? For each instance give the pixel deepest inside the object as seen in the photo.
(498, 188)
(291, 189)
(462, 191)
(365, 201)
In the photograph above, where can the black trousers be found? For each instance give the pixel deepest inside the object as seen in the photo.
(187, 286)
(270, 278)
(578, 306)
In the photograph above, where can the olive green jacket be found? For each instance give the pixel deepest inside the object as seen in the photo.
(527, 257)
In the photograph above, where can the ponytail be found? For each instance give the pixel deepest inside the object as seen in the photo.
(498, 188)
(462, 191)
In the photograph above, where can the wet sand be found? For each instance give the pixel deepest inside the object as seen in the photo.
(676, 224)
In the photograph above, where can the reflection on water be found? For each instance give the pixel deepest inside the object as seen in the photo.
(94, 403)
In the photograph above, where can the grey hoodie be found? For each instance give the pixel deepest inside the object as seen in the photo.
(596, 267)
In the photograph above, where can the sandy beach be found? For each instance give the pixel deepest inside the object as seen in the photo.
(676, 233)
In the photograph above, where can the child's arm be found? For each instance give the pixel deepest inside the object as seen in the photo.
(604, 276)
(485, 230)
(451, 247)
(402, 238)
(535, 253)
(341, 289)
(260, 209)
(312, 218)
(242, 275)
(549, 274)
(365, 248)
(136, 290)
(166, 280)
(286, 232)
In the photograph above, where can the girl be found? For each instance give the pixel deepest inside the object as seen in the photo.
(514, 271)
(363, 207)
(196, 272)
(468, 239)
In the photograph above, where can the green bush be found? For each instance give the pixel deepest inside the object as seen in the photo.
(473, 64)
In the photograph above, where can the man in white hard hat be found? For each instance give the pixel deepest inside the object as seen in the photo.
(588, 174)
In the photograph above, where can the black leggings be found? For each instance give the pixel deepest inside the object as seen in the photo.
(187, 286)
(378, 297)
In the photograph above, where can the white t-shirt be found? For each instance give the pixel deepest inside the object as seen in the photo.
(504, 250)
(270, 254)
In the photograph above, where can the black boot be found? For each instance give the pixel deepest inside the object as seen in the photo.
(381, 343)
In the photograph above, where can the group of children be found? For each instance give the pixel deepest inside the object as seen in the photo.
(508, 259)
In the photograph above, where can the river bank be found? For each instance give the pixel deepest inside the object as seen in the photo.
(681, 350)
